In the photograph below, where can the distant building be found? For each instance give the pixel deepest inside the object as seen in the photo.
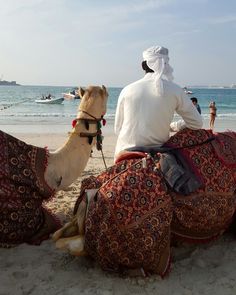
(8, 83)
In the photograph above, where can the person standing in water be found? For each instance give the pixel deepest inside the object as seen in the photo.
(213, 109)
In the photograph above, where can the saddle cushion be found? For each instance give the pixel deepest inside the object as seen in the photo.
(22, 191)
(208, 211)
(128, 223)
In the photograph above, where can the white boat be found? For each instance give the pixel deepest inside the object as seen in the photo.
(73, 94)
(51, 100)
(69, 96)
(187, 91)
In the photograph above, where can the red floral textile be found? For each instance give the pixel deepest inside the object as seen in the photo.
(22, 191)
(207, 212)
(128, 223)
(225, 147)
(130, 220)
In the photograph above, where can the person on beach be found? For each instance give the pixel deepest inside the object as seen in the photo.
(213, 109)
(146, 107)
(195, 102)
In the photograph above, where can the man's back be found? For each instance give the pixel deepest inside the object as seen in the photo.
(146, 107)
(147, 116)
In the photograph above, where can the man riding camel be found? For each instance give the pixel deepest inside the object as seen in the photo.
(146, 107)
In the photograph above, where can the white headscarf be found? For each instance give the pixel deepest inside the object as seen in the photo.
(157, 60)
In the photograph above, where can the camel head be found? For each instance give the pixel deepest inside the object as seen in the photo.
(93, 100)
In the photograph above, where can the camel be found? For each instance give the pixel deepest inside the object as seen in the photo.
(67, 162)
(29, 175)
(128, 217)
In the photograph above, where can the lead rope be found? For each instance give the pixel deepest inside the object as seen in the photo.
(99, 133)
(104, 160)
(100, 139)
(14, 104)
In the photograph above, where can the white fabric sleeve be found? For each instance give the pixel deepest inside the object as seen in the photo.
(191, 117)
(177, 126)
(119, 116)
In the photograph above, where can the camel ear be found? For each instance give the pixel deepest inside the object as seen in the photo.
(104, 90)
(81, 92)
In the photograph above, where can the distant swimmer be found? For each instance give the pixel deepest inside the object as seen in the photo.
(213, 110)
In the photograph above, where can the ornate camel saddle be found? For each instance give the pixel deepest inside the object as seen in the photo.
(135, 215)
(22, 191)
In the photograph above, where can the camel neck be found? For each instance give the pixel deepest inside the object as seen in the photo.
(67, 162)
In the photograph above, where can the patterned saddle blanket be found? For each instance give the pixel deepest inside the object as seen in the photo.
(22, 191)
(134, 216)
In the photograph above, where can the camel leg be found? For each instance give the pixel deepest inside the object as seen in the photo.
(74, 245)
(69, 229)
(80, 215)
(74, 227)
(82, 209)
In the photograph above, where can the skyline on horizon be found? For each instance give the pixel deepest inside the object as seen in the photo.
(68, 43)
(232, 86)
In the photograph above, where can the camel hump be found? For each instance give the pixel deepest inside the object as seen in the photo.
(188, 138)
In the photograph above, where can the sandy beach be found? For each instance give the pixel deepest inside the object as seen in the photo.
(141, 64)
(205, 269)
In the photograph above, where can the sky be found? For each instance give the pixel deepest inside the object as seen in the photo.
(80, 43)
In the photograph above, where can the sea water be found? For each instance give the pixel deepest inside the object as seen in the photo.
(18, 107)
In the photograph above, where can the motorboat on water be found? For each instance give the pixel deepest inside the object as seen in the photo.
(187, 91)
(50, 100)
(69, 96)
(72, 94)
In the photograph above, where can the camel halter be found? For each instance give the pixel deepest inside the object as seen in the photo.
(90, 136)
(89, 115)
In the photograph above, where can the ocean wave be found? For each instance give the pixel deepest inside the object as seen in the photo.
(109, 116)
(221, 116)
(40, 115)
(43, 115)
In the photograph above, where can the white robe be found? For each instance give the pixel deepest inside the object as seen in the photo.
(142, 118)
